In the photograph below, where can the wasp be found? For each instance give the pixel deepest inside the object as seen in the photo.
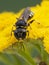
(22, 24)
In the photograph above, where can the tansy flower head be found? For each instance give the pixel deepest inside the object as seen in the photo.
(8, 19)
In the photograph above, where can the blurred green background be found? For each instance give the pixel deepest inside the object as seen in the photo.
(16, 5)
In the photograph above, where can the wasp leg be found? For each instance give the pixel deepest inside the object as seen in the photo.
(30, 22)
(22, 46)
(28, 33)
(11, 33)
(13, 45)
(12, 30)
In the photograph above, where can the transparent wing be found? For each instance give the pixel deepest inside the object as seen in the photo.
(26, 14)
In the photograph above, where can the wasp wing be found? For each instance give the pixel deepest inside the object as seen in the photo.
(26, 13)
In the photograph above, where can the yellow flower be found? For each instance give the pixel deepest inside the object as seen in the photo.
(46, 40)
(41, 15)
(7, 19)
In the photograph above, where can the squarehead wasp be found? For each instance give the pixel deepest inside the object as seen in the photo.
(22, 24)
